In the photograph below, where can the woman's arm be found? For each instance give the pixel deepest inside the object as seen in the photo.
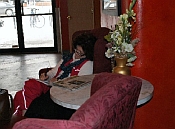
(86, 69)
(53, 71)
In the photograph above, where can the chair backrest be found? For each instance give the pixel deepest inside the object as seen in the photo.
(98, 82)
(101, 63)
(113, 105)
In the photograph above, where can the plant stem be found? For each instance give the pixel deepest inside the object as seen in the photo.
(132, 4)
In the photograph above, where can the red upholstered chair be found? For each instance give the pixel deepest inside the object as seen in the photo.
(112, 106)
(101, 63)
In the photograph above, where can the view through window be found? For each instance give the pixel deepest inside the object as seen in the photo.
(37, 24)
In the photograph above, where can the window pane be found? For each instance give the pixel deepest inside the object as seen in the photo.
(38, 31)
(40, 6)
(7, 9)
(8, 33)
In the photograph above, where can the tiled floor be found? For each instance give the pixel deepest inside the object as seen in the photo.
(14, 69)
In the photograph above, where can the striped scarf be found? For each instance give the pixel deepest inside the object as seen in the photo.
(67, 68)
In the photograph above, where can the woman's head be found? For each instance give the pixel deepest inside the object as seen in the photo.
(84, 45)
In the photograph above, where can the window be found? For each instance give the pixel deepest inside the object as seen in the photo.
(111, 7)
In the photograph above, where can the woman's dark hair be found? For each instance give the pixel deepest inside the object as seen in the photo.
(87, 42)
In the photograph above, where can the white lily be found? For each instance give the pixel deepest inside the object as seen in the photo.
(120, 37)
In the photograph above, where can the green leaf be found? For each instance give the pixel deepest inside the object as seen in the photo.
(108, 37)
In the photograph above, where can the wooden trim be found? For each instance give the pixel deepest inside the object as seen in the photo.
(97, 14)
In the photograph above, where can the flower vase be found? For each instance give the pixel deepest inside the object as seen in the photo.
(121, 67)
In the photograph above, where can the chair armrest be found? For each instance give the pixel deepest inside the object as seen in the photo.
(34, 123)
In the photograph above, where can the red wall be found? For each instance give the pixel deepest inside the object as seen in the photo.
(156, 62)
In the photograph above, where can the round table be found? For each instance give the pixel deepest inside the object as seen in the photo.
(146, 92)
(75, 98)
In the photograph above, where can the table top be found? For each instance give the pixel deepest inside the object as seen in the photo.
(146, 92)
(75, 98)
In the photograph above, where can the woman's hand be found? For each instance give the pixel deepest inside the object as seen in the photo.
(53, 80)
(43, 77)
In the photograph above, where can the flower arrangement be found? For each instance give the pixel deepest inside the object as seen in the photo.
(120, 41)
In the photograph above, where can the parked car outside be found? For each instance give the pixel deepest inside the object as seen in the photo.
(7, 9)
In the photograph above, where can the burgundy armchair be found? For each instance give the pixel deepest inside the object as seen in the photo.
(111, 106)
(101, 63)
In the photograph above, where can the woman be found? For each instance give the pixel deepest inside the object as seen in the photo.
(78, 63)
